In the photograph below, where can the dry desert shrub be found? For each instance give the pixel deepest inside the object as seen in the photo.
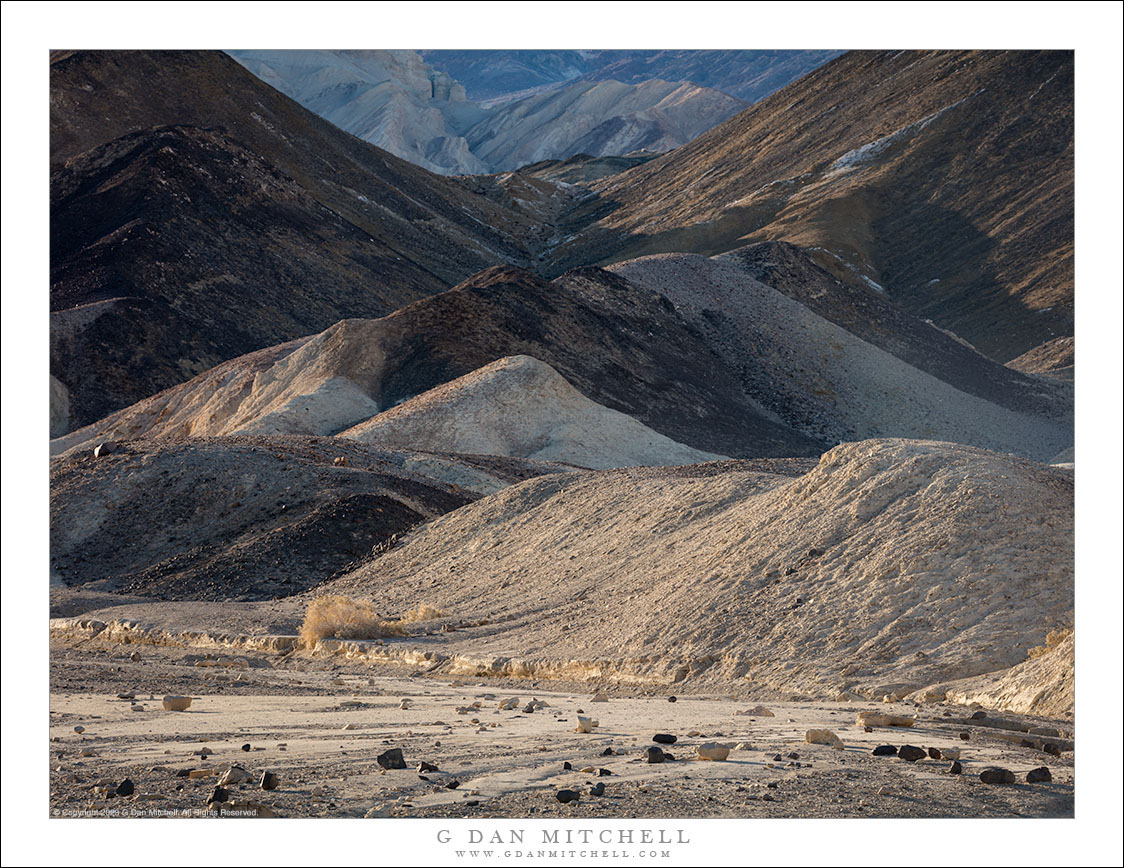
(334, 616)
(1053, 639)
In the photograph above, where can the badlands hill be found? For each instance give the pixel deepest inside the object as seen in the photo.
(1053, 358)
(619, 345)
(394, 100)
(890, 567)
(247, 517)
(198, 214)
(519, 406)
(944, 178)
(829, 383)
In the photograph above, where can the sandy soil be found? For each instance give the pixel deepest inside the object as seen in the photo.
(320, 726)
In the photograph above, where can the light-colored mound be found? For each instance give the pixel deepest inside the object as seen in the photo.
(1043, 684)
(521, 407)
(821, 378)
(890, 566)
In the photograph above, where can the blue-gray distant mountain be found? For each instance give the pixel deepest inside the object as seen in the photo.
(748, 75)
(419, 112)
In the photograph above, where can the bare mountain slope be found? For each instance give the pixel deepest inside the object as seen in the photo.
(830, 384)
(619, 345)
(890, 566)
(521, 407)
(943, 177)
(247, 517)
(181, 183)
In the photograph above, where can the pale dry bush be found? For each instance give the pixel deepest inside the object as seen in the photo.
(334, 616)
(1053, 639)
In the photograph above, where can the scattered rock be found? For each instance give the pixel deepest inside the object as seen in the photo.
(566, 766)
(585, 724)
(453, 784)
(106, 447)
(664, 738)
(79, 729)
(934, 753)
(955, 768)
(567, 796)
(979, 715)
(126, 696)
(235, 775)
(246, 747)
(599, 697)
(1039, 776)
(509, 703)
(911, 753)
(997, 775)
(965, 736)
(176, 703)
(597, 789)
(671, 699)
(1052, 749)
(391, 759)
(218, 794)
(713, 751)
(885, 750)
(126, 787)
(823, 736)
(655, 755)
(950, 753)
(760, 711)
(424, 767)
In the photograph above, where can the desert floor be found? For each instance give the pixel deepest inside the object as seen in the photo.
(319, 724)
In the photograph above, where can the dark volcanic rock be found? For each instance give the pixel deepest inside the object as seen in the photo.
(910, 753)
(391, 759)
(1039, 775)
(655, 755)
(885, 750)
(664, 738)
(567, 796)
(997, 775)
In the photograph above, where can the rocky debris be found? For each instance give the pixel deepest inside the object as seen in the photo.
(79, 729)
(424, 767)
(391, 759)
(997, 775)
(567, 796)
(235, 775)
(935, 753)
(950, 753)
(878, 718)
(910, 753)
(269, 781)
(978, 715)
(599, 697)
(885, 750)
(176, 703)
(672, 699)
(246, 747)
(1052, 749)
(955, 768)
(712, 751)
(758, 711)
(1039, 775)
(194, 774)
(129, 695)
(453, 784)
(218, 794)
(964, 736)
(664, 738)
(126, 787)
(86, 752)
(598, 789)
(508, 704)
(823, 736)
(586, 724)
(106, 447)
(655, 755)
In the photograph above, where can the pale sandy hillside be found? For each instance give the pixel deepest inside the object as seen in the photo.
(521, 407)
(891, 566)
(825, 381)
